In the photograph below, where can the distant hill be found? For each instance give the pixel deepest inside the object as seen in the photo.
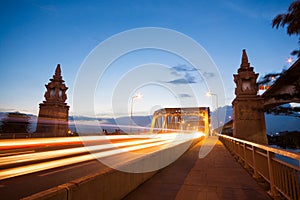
(110, 124)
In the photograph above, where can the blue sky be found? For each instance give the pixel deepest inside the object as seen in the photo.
(36, 35)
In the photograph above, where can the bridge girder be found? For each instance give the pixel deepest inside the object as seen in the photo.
(286, 88)
(173, 119)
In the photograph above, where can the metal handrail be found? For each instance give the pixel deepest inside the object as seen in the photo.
(283, 177)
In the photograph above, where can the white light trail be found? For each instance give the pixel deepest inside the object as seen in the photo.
(17, 171)
(17, 143)
(65, 152)
(158, 140)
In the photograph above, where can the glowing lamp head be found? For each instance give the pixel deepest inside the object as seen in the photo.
(138, 96)
(289, 60)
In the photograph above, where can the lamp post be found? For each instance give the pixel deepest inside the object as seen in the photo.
(209, 94)
(137, 96)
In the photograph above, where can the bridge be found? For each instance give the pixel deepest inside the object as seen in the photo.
(178, 159)
(185, 119)
(286, 89)
(54, 169)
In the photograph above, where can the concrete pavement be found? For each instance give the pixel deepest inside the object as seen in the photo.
(215, 176)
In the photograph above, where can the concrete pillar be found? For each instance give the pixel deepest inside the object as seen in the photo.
(249, 120)
(248, 114)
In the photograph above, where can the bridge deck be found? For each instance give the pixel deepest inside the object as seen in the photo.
(216, 176)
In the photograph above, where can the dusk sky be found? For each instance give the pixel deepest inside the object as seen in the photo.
(36, 35)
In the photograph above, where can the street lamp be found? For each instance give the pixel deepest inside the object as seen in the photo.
(209, 94)
(137, 96)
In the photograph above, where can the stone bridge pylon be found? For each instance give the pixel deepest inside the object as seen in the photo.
(248, 106)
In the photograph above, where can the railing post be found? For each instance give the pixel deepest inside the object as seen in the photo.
(255, 174)
(246, 165)
(237, 147)
(282, 176)
(240, 154)
(273, 192)
(234, 149)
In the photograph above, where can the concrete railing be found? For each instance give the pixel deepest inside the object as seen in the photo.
(269, 163)
(108, 184)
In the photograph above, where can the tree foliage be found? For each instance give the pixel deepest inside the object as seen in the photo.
(15, 123)
(286, 139)
(270, 78)
(291, 19)
(287, 111)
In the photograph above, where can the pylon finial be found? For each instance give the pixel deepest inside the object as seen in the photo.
(245, 63)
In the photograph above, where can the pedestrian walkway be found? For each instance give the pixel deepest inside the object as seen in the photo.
(215, 176)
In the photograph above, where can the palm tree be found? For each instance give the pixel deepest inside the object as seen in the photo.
(292, 20)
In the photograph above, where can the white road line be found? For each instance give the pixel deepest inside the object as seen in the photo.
(64, 169)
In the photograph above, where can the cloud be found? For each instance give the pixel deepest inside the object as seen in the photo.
(188, 79)
(190, 74)
(208, 74)
(178, 81)
(184, 95)
(183, 68)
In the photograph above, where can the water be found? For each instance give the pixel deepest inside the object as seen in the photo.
(287, 159)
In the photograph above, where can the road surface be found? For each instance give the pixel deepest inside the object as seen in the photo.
(28, 166)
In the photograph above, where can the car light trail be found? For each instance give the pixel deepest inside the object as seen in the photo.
(106, 150)
(65, 152)
(20, 143)
(36, 142)
(8, 173)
